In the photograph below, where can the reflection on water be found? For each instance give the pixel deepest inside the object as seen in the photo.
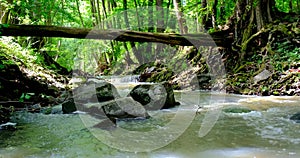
(263, 133)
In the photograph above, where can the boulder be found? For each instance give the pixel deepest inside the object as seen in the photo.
(154, 96)
(121, 108)
(68, 106)
(8, 126)
(296, 117)
(4, 115)
(153, 72)
(95, 91)
(124, 108)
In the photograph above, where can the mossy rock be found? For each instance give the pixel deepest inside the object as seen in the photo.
(154, 72)
(296, 117)
(4, 115)
(237, 110)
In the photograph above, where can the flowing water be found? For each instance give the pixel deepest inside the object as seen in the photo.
(265, 132)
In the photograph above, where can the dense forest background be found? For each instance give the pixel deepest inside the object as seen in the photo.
(258, 41)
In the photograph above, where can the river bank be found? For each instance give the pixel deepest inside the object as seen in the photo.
(27, 82)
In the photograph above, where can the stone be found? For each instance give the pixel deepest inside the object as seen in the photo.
(4, 115)
(154, 72)
(154, 96)
(8, 126)
(92, 91)
(124, 108)
(94, 109)
(296, 117)
(69, 106)
(262, 76)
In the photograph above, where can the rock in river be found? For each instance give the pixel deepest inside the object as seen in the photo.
(296, 117)
(68, 106)
(154, 96)
(124, 108)
(93, 91)
(121, 108)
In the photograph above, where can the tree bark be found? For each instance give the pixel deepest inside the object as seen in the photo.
(134, 50)
(250, 19)
(4, 13)
(214, 14)
(223, 39)
(79, 13)
(181, 21)
(160, 15)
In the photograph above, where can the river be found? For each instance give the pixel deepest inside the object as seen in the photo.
(265, 132)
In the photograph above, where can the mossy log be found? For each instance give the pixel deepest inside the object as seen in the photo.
(222, 38)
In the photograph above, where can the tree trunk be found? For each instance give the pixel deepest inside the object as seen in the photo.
(259, 13)
(204, 18)
(223, 39)
(94, 13)
(160, 15)
(133, 47)
(150, 29)
(214, 14)
(181, 21)
(79, 13)
(4, 13)
(160, 25)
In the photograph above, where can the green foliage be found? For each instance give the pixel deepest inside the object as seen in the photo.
(286, 52)
(26, 96)
(4, 26)
(285, 6)
(69, 53)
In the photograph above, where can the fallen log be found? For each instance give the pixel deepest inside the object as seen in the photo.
(223, 39)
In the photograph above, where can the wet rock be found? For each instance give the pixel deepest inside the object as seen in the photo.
(107, 125)
(154, 96)
(8, 126)
(94, 109)
(204, 81)
(296, 117)
(153, 72)
(124, 108)
(4, 115)
(69, 106)
(57, 109)
(93, 91)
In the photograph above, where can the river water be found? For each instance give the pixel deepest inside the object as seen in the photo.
(265, 132)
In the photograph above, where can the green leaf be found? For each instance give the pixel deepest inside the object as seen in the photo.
(5, 25)
(2, 66)
(22, 98)
(27, 96)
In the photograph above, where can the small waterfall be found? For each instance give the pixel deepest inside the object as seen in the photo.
(124, 79)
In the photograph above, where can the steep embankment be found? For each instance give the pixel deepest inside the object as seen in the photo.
(24, 81)
(271, 65)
